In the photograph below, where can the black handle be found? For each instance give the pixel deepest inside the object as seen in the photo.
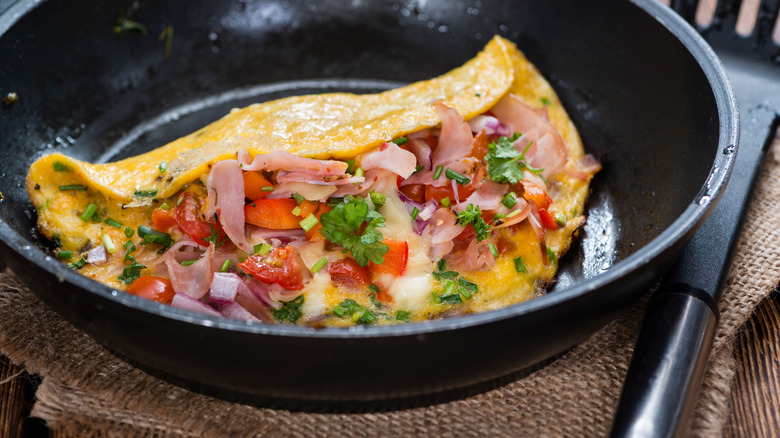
(668, 364)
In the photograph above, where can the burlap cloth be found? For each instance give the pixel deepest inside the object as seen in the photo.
(87, 391)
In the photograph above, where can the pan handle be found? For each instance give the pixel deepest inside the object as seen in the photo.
(668, 364)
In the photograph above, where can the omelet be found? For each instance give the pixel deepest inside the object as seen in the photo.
(444, 197)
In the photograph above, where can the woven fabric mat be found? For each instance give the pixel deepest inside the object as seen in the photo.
(87, 391)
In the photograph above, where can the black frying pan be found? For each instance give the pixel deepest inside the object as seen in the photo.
(645, 91)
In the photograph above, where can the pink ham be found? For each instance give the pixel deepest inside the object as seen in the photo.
(225, 187)
(455, 139)
(390, 157)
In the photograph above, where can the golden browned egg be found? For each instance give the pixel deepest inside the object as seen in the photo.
(82, 206)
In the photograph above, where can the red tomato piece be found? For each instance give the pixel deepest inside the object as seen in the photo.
(152, 288)
(280, 266)
(187, 214)
(415, 192)
(534, 193)
(479, 147)
(163, 220)
(547, 219)
(439, 193)
(396, 259)
(275, 214)
(347, 272)
(253, 185)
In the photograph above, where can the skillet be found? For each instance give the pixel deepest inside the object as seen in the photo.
(646, 92)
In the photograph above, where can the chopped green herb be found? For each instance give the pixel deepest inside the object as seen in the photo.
(215, 236)
(400, 140)
(67, 187)
(56, 241)
(129, 232)
(477, 94)
(262, 248)
(458, 178)
(309, 222)
(498, 216)
(520, 266)
(452, 298)
(415, 212)
(113, 223)
(551, 255)
(65, 255)
(109, 244)
(374, 290)
(545, 100)
(359, 172)
(351, 166)
(59, 167)
(130, 248)
(560, 219)
(189, 262)
(444, 275)
(343, 225)
(153, 236)
(178, 201)
(290, 310)
(446, 202)
(87, 215)
(131, 272)
(162, 166)
(165, 206)
(437, 172)
(493, 249)
(225, 266)
(297, 210)
(473, 215)
(378, 199)
(298, 198)
(418, 168)
(267, 189)
(78, 264)
(402, 315)
(509, 200)
(505, 163)
(45, 205)
(145, 193)
(319, 265)
(354, 311)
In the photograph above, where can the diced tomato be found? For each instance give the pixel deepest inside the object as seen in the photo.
(479, 147)
(276, 214)
(347, 272)
(253, 185)
(314, 232)
(415, 192)
(280, 266)
(396, 259)
(547, 219)
(187, 215)
(439, 193)
(534, 193)
(152, 288)
(163, 220)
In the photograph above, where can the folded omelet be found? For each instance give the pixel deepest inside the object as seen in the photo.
(448, 196)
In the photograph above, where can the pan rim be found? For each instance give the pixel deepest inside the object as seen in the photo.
(675, 234)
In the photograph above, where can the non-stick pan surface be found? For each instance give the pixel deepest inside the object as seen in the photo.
(645, 91)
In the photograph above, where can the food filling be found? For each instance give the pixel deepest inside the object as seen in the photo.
(450, 196)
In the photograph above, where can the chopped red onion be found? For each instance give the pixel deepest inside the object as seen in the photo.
(97, 255)
(224, 287)
(184, 302)
(236, 311)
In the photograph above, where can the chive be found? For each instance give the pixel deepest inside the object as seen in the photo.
(225, 266)
(65, 255)
(56, 241)
(145, 193)
(378, 198)
(162, 166)
(89, 212)
(545, 100)
(59, 167)
(498, 216)
(309, 223)
(493, 250)
(514, 213)
(551, 255)
(113, 223)
(400, 140)
(153, 236)
(188, 262)
(560, 219)
(178, 201)
(415, 212)
(350, 166)
(445, 202)
(418, 168)
(402, 315)
(298, 198)
(262, 249)
(520, 266)
(359, 172)
(297, 211)
(129, 232)
(73, 187)
(165, 206)
(78, 264)
(267, 189)
(319, 265)
(109, 244)
(460, 179)
(437, 172)
(509, 200)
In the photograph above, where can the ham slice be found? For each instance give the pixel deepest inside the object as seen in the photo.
(225, 187)
(390, 157)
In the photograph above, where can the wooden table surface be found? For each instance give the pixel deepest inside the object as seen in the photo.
(755, 399)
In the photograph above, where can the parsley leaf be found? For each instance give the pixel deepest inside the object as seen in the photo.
(473, 215)
(354, 226)
(505, 163)
(290, 310)
(131, 272)
(351, 309)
